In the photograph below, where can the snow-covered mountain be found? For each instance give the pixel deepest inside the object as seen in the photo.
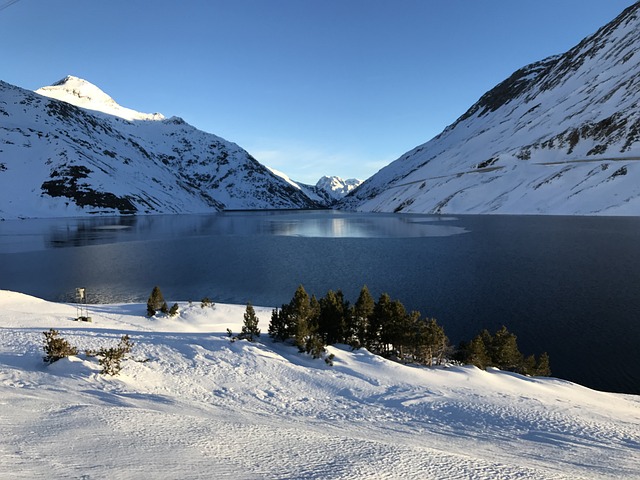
(70, 149)
(337, 187)
(560, 136)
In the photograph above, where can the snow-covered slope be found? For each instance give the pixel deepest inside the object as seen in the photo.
(195, 405)
(57, 159)
(560, 136)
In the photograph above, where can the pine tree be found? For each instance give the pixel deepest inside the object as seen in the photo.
(299, 315)
(435, 341)
(359, 319)
(504, 350)
(155, 302)
(250, 328)
(332, 320)
(543, 368)
(378, 321)
(477, 353)
(278, 326)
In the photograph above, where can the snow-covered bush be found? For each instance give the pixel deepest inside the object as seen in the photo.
(111, 358)
(56, 347)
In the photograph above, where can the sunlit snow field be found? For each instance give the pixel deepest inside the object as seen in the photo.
(195, 405)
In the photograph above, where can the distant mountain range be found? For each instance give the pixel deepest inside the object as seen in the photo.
(328, 191)
(560, 136)
(69, 149)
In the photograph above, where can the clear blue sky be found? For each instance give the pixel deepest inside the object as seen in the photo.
(310, 87)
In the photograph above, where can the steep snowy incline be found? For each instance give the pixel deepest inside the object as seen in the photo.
(560, 136)
(57, 159)
(190, 403)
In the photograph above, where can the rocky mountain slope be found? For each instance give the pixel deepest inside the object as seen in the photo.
(560, 136)
(70, 149)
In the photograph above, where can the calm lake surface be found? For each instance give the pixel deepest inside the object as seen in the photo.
(566, 285)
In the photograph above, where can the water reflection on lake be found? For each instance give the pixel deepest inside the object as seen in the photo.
(566, 285)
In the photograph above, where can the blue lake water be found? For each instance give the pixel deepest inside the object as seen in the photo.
(566, 285)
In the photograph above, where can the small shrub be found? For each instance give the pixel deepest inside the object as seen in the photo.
(174, 310)
(56, 347)
(329, 359)
(206, 302)
(111, 358)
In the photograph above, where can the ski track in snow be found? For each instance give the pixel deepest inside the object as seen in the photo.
(195, 405)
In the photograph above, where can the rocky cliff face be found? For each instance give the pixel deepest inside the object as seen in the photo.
(560, 136)
(72, 150)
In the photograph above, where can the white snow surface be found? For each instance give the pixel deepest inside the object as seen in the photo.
(191, 404)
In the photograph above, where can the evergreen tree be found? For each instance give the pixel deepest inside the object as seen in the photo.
(528, 366)
(359, 319)
(250, 328)
(543, 368)
(393, 334)
(378, 320)
(435, 341)
(299, 315)
(477, 353)
(504, 350)
(155, 302)
(332, 320)
(278, 326)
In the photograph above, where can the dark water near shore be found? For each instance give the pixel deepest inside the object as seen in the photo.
(566, 285)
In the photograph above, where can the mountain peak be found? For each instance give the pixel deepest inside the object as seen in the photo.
(84, 94)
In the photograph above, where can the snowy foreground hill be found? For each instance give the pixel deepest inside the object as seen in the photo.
(560, 136)
(71, 150)
(191, 404)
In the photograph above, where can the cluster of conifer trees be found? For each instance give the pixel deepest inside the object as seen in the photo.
(501, 350)
(386, 328)
(383, 327)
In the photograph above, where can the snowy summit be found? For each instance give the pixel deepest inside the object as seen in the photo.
(83, 94)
